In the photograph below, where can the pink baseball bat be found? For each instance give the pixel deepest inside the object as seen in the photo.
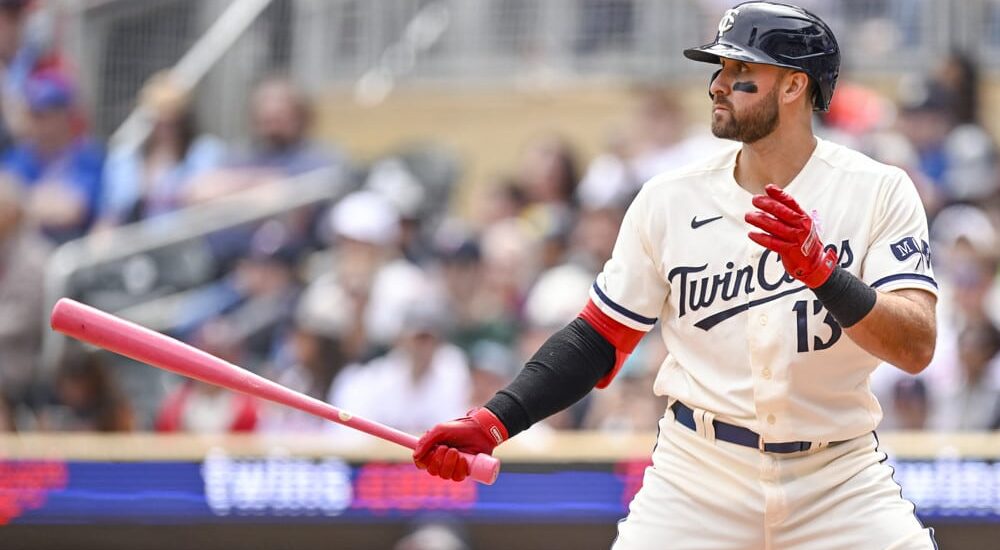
(115, 334)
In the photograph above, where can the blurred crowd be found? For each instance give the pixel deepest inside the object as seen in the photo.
(388, 303)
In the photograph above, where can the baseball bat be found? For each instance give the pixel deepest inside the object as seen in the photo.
(115, 334)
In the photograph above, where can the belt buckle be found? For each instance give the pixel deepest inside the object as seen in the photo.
(760, 444)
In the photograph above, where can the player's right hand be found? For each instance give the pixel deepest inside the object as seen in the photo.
(790, 232)
(439, 450)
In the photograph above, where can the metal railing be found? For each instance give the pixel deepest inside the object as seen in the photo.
(218, 45)
(131, 259)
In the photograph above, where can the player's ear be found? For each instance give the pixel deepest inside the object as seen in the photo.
(794, 86)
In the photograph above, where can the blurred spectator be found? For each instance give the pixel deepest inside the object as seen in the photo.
(961, 232)
(857, 110)
(147, 180)
(11, 22)
(256, 300)
(549, 172)
(12, 14)
(493, 367)
(478, 309)
(959, 74)
(421, 381)
(611, 177)
(555, 300)
(23, 255)
(969, 271)
(628, 404)
(925, 119)
(553, 246)
(399, 186)
(659, 139)
(502, 199)
(281, 118)
(510, 262)
(594, 236)
(317, 356)
(205, 409)
(973, 402)
(910, 405)
(61, 169)
(269, 285)
(370, 266)
(959, 159)
(281, 147)
(662, 138)
(87, 398)
(364, 230)
(27, 47)
(548, 177)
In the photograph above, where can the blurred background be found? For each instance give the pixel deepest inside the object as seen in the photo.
(389, 205)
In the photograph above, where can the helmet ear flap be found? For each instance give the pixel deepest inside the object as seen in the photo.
(710, 81)
(816, 96)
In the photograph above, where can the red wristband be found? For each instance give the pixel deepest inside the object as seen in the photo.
(490, 424)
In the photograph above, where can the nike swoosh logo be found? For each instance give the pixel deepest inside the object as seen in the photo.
(696, 223)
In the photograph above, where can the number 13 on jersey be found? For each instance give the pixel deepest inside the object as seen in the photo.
(803, 317)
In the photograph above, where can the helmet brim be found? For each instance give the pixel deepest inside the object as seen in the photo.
(711, 53)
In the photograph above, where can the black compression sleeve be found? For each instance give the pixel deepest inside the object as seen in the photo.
(846, 297)
(567, 366)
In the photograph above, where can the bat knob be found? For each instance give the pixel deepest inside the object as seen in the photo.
(483, 468)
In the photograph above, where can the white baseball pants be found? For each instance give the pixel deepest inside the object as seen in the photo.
(705, 494)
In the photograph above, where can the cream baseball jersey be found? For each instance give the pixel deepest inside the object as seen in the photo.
(746, 341)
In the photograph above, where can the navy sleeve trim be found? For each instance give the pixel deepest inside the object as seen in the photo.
(902, 276)
(631, 315)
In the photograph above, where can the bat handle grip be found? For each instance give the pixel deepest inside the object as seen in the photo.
(482, 467)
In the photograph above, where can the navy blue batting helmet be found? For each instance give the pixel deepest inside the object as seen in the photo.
(780, 35)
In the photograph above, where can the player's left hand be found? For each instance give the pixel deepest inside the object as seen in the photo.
(790, 232)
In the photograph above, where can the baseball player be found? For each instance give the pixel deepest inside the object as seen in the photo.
(781, 271)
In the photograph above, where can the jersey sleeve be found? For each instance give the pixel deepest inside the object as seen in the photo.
(899, 255)
(630, 289)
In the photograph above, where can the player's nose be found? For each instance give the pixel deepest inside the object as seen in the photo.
(718, 86)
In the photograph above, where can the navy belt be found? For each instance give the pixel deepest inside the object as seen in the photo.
(737, 434)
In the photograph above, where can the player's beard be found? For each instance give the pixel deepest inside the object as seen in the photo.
(759, 121)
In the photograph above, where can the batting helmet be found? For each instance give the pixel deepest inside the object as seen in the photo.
(780, 35)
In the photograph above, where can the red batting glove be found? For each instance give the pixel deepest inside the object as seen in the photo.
(438, 450)
(792, 234)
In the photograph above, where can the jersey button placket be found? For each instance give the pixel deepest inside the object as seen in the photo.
(758, 336)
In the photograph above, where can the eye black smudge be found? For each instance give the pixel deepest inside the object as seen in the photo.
(745, 87)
